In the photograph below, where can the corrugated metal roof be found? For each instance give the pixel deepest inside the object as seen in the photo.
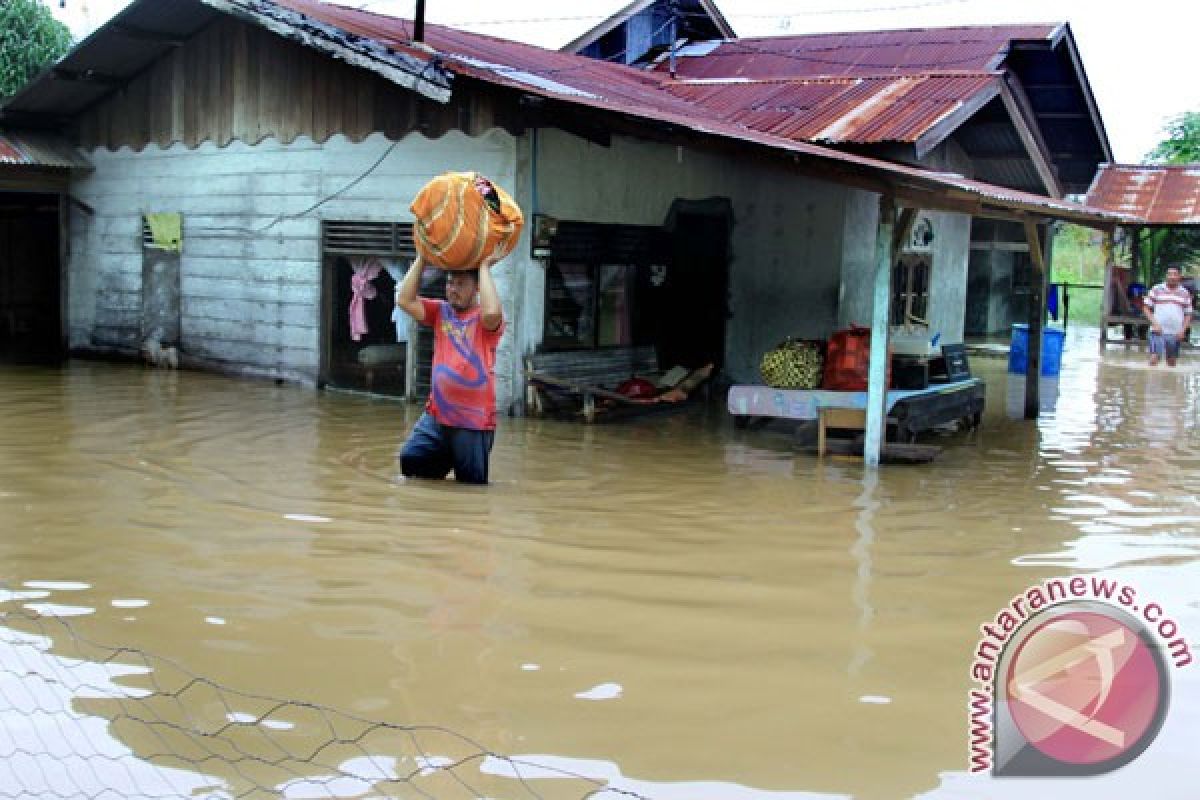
(1049, 68)
(875, 109)
(1159, 195)
(616, 88)
(119, 49)
(38, 150)
(914, 51)
(384, 45)
(840, 110)
(492, 59)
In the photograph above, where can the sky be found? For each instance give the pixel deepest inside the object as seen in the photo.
(1139, 57)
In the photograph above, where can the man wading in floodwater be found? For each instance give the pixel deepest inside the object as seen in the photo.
(1168, 306)
(459, 422)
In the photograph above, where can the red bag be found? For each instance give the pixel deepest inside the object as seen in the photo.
(848, 360)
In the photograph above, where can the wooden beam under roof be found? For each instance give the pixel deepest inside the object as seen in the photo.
(87, 76)
(130, 31)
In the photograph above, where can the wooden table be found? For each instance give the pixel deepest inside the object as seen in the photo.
(909, 410)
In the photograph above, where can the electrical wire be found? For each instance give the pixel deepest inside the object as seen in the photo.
(837, 11)
(298, 214)
(913, 6)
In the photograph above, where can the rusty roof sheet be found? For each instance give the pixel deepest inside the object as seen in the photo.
(495, 60)
(383, 44)
(913, 51)
(642, 94)
(38, 150)
(1158, 195)
(889, 108)
(875, 109)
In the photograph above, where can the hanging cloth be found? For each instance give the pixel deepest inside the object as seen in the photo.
(166, 230)
(1052, 301)
(361, 290)
(400, 318)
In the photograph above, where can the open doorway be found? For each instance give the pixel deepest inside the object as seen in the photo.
(694, 306)
(30, 277)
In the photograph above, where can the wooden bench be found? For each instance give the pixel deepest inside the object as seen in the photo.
(1122, 319)
(854, 419)
(582, 376)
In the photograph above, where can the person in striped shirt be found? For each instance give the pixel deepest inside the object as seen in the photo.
(1168, 306)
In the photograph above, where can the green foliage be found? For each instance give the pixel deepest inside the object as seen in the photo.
(1164, 247)
(1182, 145)
(30, 39)
(1078, 259)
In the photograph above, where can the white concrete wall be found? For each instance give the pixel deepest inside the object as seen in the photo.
(861, 222)
(250, 299)
(950, 250)
(786, 241)
(948, 289)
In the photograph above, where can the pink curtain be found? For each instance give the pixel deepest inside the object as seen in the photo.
(361, 288)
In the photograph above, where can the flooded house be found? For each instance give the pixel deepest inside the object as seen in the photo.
(1007, 104)
(250, 164)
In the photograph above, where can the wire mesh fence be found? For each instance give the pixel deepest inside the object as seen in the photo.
(87, 721)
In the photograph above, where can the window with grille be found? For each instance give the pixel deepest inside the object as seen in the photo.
(910, 289)
(592, 285)
(387, 239)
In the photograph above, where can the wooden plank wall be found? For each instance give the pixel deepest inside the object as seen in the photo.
(250, 290)
(233, 81)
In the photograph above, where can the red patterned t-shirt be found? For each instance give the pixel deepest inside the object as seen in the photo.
(463, 384)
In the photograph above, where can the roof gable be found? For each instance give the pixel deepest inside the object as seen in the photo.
(1045, 89)
(912, 51)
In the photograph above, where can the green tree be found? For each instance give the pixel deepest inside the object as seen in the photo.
(1182, 145)
(30, 39)
(1163, 247)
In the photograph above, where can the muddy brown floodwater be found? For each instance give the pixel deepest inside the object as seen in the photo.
(221, 588)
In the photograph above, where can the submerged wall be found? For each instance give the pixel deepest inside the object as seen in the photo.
(786, 240)
(250, 290)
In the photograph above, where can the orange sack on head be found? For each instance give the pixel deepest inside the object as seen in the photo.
(462, 218)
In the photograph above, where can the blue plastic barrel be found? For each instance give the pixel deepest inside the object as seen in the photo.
(1052, 347)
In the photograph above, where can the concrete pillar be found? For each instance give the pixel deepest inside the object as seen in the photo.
(881, 308)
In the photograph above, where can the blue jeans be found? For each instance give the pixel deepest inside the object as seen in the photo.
(433, 449)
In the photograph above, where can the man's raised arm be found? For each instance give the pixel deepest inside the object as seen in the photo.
(491, 313)
(407, 292)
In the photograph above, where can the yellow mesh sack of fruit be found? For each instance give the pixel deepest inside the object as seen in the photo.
(462, 218)
(792, 365)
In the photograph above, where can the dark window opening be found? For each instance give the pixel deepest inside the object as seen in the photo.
(589, 306)
(1022, 273)
(366, 342)
(910, 290)
(596, 286)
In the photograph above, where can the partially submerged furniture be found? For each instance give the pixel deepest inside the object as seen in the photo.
(583, 383)
(909, 411)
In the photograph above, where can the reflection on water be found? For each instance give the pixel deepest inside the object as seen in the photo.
(670, 607)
